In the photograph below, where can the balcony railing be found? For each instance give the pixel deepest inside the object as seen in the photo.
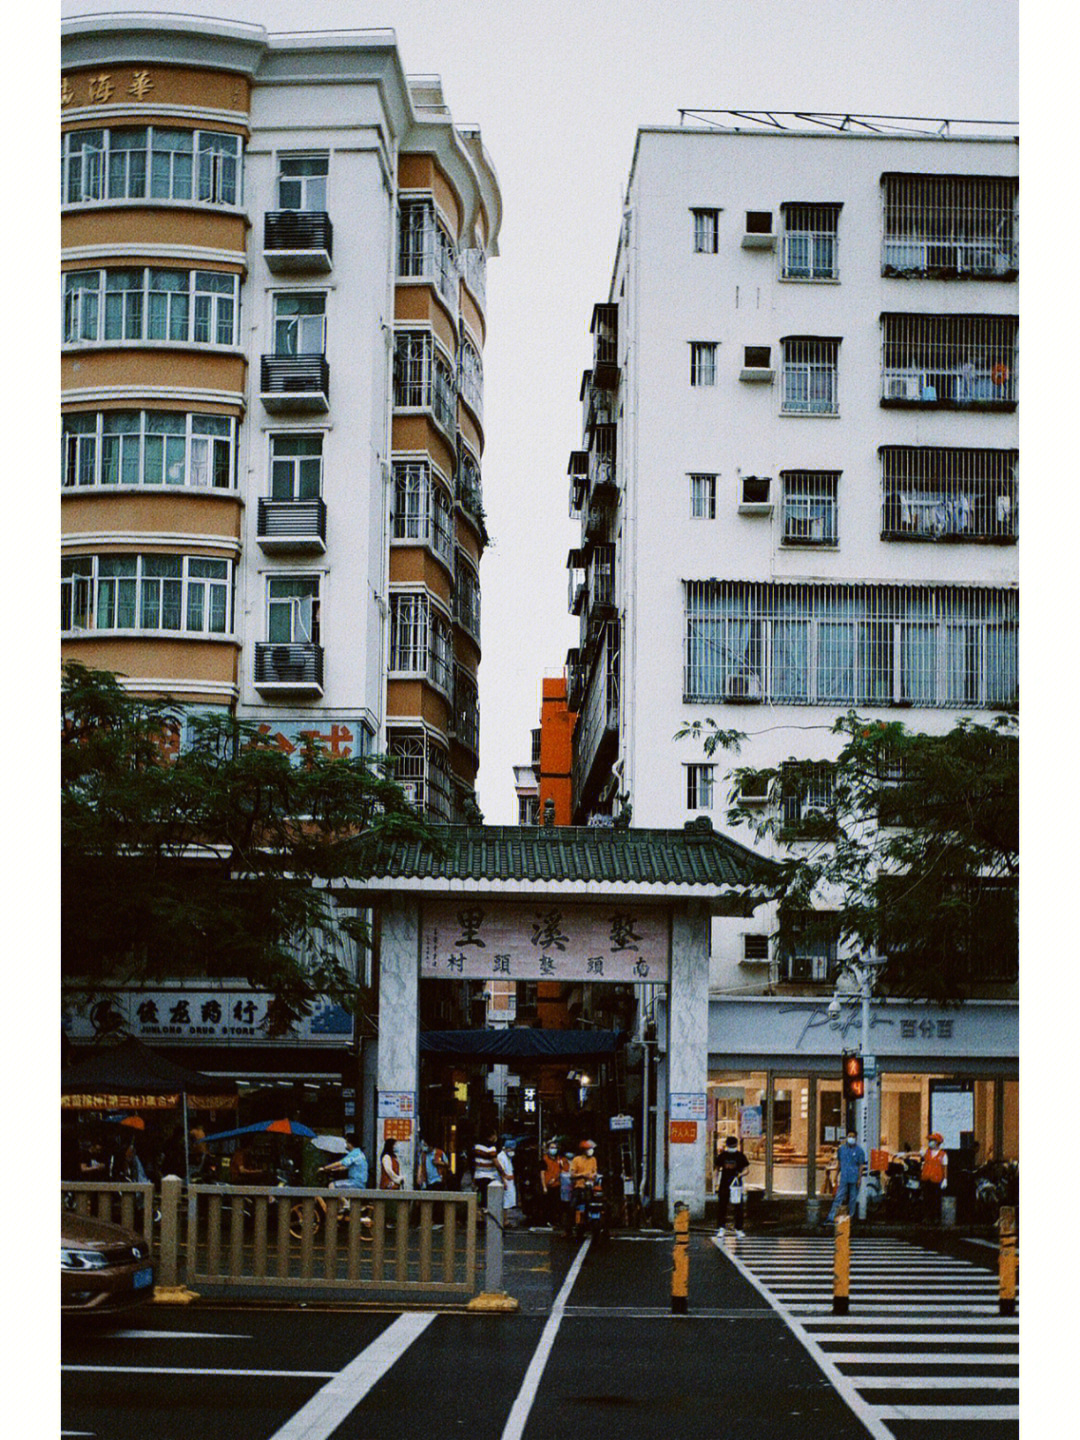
(292, 524)
(296, 240)
(605, 330)
(295, 667)
(294, 382)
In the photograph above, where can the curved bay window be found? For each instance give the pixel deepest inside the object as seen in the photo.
(150, 162)
(148, 447)
(176, 593)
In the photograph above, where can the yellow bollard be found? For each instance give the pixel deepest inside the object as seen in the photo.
(1007, 1261)
(842, 1265)
(680, 1274)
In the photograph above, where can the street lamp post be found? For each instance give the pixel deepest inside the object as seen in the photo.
(863, 971)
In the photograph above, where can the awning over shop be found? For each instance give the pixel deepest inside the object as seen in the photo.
(521, 1044)
(129, 1076)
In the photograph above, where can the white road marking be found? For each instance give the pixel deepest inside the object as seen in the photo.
(937, 1382)
(907, 1358)
(954, 1412)
(840, 1382)
(326, 1410)
(193, 1370)
(519, 1414)
(912, 1327)
(174, 1335)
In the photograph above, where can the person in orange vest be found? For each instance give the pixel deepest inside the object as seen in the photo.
(935, 1177)
(554, 1166)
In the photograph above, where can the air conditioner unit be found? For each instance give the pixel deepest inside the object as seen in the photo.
(904, 387)
(755, 495)
(742, 687)
(753, 797)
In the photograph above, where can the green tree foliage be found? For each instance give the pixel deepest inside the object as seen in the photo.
(915, 854)
(215, 859)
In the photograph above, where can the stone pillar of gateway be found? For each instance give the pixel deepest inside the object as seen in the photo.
(578, 905)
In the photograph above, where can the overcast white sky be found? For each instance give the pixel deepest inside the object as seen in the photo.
(559, 90)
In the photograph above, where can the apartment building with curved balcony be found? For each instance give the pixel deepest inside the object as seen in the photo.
(273, 254)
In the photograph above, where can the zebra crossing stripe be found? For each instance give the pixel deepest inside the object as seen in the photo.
(921, 1317)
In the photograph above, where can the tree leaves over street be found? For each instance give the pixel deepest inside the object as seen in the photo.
(212, 859)
(914, 854)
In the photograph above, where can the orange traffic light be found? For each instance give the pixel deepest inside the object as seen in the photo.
(854, 1083)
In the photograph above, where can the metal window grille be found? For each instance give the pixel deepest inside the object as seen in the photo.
(949, 360)
(755, 947)
(810, 507)
(442, 523)
(706, 231)
(702, 362)
(409, 631)
(939, 647)
(474, 267)
(806, 790)
(441, 656)
(940, 493)
(411, 515)
(468, 487)
(950, 225)
(467, 596)
(466, 709)
(702, 497)
(425, 249)
(810, 243)
(699, 786)
(471, 373)
(813, 951)
(810, 376)
(409, 754)
(602, 576)
(599, 707)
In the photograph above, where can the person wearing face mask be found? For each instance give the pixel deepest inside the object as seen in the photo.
(852, 1162)
(730, 1164)
(554, 1165)
(935, 1170)
(583, 1163)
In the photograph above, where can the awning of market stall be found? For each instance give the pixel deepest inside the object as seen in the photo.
(130, 1076)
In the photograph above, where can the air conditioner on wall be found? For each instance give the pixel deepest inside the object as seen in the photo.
(904, 387)
(742, 687)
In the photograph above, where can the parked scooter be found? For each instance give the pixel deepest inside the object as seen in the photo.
(997, 1183)
(589, 1211)
(903, 1187)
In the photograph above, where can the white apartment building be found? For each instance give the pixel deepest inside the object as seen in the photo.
(798, 493)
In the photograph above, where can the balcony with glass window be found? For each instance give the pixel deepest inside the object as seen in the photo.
(605, 332)
(298, 242)
(292, 525)
(294, 383)
(288, 669)
(949, 362)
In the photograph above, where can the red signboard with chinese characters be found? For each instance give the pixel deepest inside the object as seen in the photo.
(481, 939)
(682, 1132)
(397, 1129)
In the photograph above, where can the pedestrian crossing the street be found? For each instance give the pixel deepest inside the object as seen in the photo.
(923, 1348)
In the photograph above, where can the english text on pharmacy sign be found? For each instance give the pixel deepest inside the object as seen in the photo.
(470, 939)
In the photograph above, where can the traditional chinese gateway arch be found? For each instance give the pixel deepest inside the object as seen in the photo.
(598, 905)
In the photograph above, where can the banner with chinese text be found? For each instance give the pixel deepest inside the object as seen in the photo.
(479, 939)
(201, 1017)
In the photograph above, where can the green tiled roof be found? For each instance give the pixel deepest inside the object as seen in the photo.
(695, 856)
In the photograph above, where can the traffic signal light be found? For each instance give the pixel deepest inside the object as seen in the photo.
(854, 1084)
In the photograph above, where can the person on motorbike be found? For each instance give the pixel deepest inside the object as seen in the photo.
(351, 1169)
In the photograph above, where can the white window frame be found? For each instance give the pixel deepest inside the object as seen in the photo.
(706, 230)
(205, 450)
(85, 307)
(308, 327)
(303, 611)
(304, 182)
(702, 495)
(810, 243)
(700, 787)
(426, 249)
(290, 467)
(423, 377)
(703, 355)
(144, 594)
(210, 184)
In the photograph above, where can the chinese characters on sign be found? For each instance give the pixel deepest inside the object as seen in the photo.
(396, 1104)
(200, 1017)
(683, 1132)
(616, 943)
(99, 89)
(687, 1107)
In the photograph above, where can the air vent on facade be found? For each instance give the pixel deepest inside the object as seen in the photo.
(759, 231)
(755, 495)
(756, 364)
